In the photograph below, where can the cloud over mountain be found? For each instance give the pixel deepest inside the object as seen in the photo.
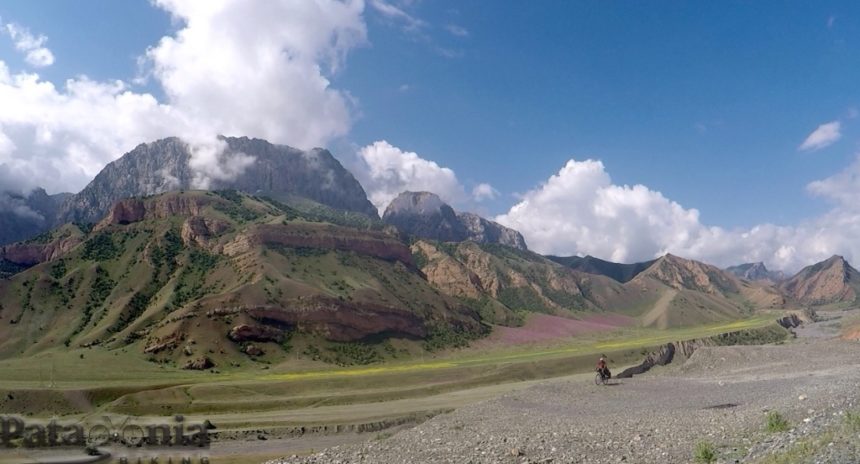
(385, 171)
(580, 211)
(232, 67)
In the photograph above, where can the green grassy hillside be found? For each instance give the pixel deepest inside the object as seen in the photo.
(184, 276)
(208, 280)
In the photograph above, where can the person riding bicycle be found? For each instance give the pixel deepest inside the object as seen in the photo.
(601, 367)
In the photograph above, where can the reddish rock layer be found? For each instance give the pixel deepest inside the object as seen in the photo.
(134, 209)
(370, 243)
(255, 333)
(30, 254)
(341, 321)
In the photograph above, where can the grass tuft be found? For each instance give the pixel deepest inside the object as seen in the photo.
(705, 453)
(852, 421)
(799, 452)
(776, 422)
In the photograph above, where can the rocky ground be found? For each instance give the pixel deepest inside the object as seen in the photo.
(721, 396)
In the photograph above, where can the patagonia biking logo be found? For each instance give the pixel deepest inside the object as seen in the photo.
(126, 440)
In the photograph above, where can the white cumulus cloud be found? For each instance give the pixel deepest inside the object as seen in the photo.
(232, 67)
(257, 68)
(60, 138)
(580, 211)
(823, 136)
(385, 171)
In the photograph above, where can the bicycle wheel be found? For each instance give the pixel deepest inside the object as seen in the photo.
(599, 379)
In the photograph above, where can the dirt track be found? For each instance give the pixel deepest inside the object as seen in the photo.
(720, 395)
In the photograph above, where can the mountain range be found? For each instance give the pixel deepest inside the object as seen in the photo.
(290, 254)
(165, 165)
(756, 271)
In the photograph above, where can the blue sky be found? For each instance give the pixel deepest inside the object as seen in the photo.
(706, 103)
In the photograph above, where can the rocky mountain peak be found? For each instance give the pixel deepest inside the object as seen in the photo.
(418, 203)
(756, 272)
(681, 273)
(830, 281)
(835, 266)
(166, 165)
(425, 215)
(482, 230)
(836, 260)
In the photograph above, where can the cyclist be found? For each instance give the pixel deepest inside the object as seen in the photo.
(601, 367)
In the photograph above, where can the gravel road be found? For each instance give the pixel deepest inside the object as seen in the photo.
(720, 395)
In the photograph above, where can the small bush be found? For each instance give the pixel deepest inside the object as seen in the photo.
(852, 420)
(776, 423)
(420, 259)
(762, 336)
(286, 344)
(8, 268)
(44, 237)
(58, 270)
(101, 247)
(230, 195)
(441, 338)
(705, 453)
(348, 354)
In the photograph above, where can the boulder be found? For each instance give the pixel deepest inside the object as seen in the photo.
(199, 364)
(253, 350)
(255, 333)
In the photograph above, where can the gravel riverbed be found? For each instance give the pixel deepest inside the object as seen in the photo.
(721, 395)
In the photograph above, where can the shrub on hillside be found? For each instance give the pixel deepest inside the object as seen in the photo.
(776, 422)
(704, 453)
(101, 248)
(852, 421)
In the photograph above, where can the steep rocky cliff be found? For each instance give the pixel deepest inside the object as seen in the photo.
(480, 230)
(165, 165)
